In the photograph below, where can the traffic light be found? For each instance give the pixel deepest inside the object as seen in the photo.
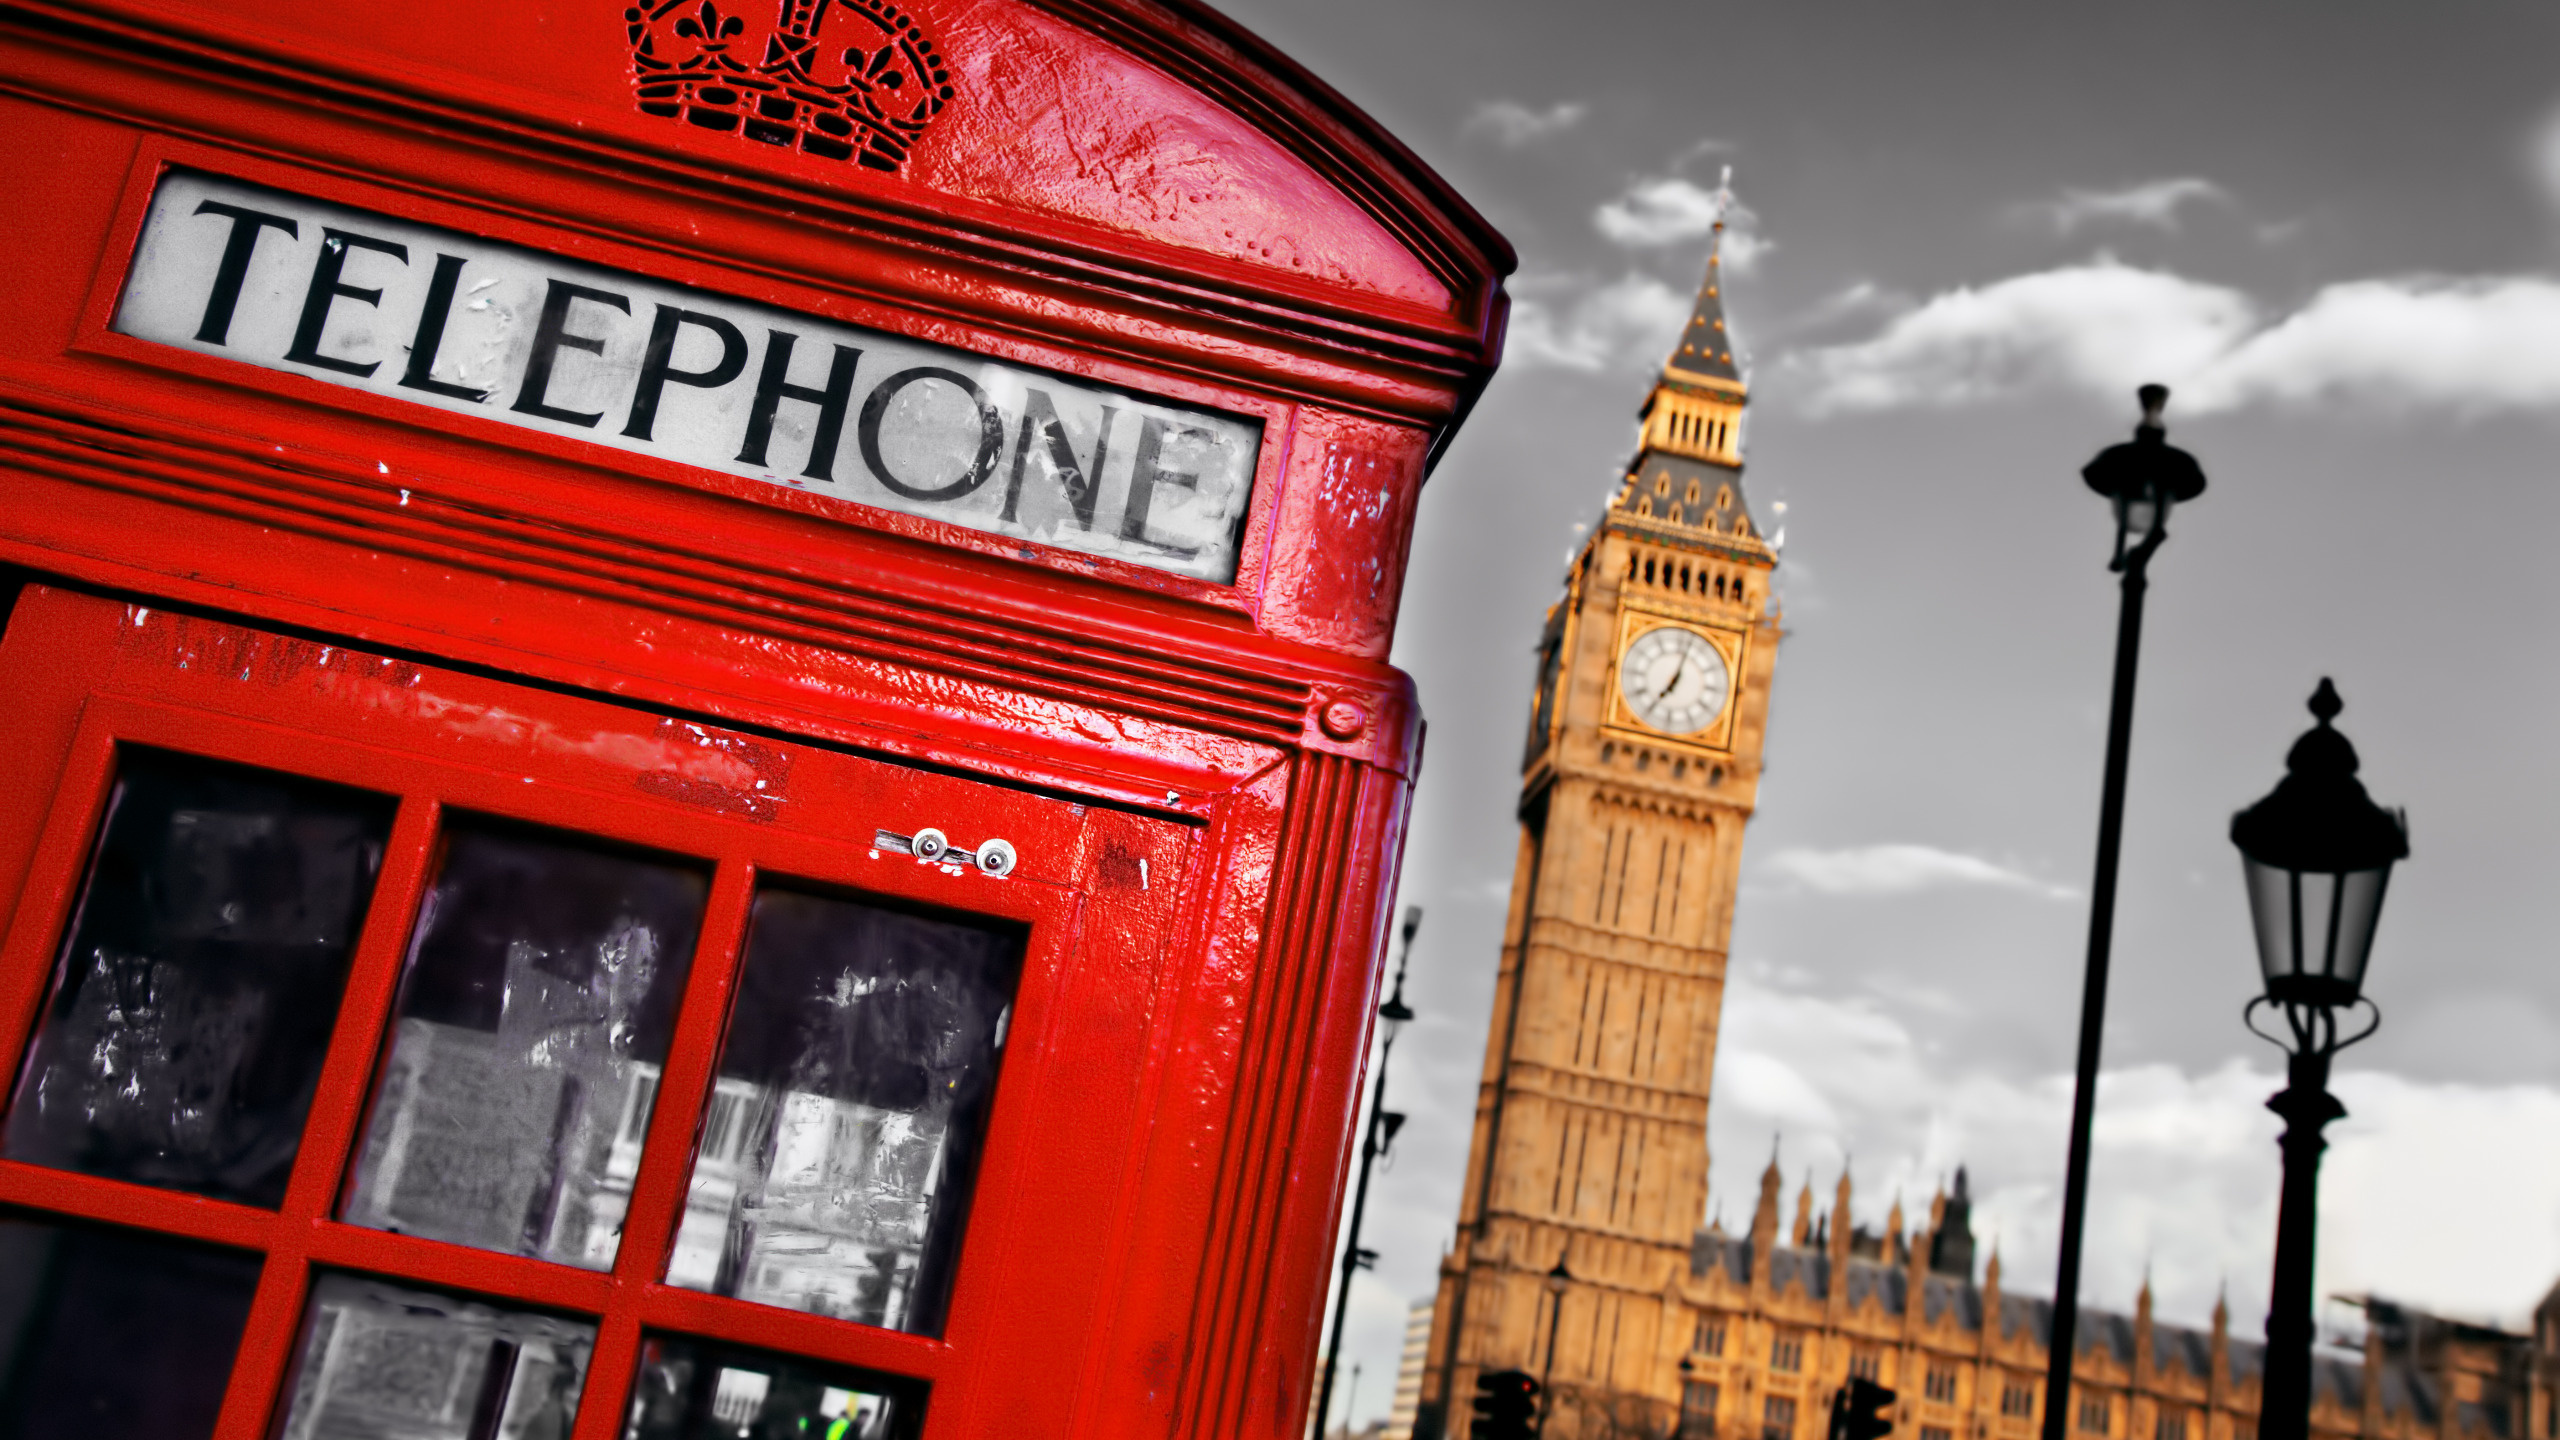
(1506, 1406)
(1859, 1410)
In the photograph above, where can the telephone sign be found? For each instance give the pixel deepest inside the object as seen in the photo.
(436, 318)
(698, 724)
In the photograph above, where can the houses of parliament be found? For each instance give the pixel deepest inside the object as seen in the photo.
(1578, 1255)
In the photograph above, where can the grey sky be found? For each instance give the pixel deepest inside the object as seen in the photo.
(1971, 229)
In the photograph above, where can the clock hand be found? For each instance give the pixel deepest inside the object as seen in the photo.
(1674, 683)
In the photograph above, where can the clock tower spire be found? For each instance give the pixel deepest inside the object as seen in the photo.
(1642, 765)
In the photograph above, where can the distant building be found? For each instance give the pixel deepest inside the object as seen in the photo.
(1779, 1327)
(1417, 1344)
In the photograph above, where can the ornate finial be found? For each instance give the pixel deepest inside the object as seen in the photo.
(2155, 399)
(2325, 703)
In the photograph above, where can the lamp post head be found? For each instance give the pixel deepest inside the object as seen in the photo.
(1558, 1278)
(2316, 853)
(1394, 1013)
(2144, 477)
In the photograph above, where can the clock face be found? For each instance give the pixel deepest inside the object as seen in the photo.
(1674, 680)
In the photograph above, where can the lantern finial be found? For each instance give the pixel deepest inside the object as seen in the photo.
(2325, 703)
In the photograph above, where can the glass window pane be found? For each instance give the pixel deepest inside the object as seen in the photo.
(192, 1005)
(833, 1164)
(378, 1360)
(534, 1016)
(695, 1390)
(87, 1315)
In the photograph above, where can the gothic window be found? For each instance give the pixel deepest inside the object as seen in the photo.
(2018, 1398)
(1684, 579)
(1942, 1383)
(1777, 1418)
(1786, 1353)
(1698, 1410)
(2171, 1425)
(2094, 1414)
(1693, 489)
(1662, 483)
(1866, 1362)
(1710, 1338)
(1724, 497)
(1936, 1432)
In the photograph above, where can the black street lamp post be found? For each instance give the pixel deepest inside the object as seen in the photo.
(1383, 1125)
(2144, 478)
(2317, 854)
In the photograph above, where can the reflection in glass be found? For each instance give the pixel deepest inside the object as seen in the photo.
(695, 1390)
(85, 1315)
(192, 1005)
(379, 1361)
(833, 1166)
(534, 1017)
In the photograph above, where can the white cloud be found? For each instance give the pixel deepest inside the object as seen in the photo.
(1631, 321)
(1670, 210)
(2154, 203)
(1897, 870)
(2463, 345)
(1512, 124)
(2426, 1196)
(1660, 211)
(2102, 326)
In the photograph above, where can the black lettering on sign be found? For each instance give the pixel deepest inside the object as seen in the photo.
(224, 298)
(1149, 474)
(1083, 484)
(550, 336)
(990, 434)
(657, 364)
(773, 387)
(430, 337)
(437, 319)
(326, 287)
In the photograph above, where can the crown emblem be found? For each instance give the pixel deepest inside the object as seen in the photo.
(840, 79)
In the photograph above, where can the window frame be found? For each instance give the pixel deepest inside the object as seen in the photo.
(1018, 1201)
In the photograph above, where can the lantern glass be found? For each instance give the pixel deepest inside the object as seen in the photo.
(2139, 513)
(2315, 929)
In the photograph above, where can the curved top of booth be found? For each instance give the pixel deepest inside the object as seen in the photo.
(1151, 146)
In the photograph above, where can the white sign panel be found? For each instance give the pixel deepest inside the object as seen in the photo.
(435, 317)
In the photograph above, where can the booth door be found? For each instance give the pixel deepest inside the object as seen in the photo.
(406, 1052)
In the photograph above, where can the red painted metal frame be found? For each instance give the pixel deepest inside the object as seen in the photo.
(135, 678)
(1116, 195)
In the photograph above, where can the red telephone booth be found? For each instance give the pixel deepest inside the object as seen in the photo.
(698, 738)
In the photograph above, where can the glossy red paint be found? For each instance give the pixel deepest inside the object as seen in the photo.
(1207, 782)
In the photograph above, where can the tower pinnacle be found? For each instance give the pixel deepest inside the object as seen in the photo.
(1705, 352)
(1687, 472)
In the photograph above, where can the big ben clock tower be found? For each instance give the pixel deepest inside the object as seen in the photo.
(1587, 1178)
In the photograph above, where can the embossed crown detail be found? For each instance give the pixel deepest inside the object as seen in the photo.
(842, 79)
